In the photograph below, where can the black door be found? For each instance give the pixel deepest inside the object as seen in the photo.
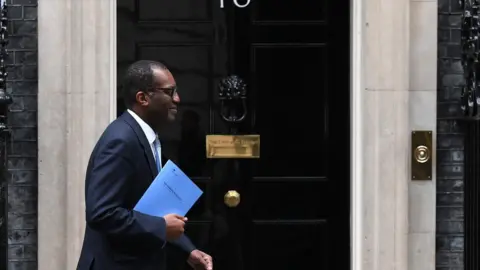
(293, 56)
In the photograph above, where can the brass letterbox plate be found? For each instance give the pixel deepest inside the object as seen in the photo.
(233, 146)
(422, 155)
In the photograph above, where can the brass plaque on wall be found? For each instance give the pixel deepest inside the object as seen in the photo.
(233, 146)
(421, 153)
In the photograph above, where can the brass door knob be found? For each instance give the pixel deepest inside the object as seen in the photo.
(231, 198)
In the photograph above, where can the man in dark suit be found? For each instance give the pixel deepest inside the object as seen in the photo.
(124, 162)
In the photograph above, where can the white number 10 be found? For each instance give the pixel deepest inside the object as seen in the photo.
(236, 3)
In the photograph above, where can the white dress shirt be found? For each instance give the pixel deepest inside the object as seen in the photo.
(150, 134)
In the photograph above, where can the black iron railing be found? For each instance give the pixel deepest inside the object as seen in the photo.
(470, 101)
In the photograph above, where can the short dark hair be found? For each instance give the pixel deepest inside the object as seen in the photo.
(139, 77)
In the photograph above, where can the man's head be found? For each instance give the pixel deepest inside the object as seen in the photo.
(149, 89)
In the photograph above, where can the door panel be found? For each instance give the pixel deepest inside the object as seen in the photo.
(289, 85)
(306, 248)
(293, 56)
(291, 200)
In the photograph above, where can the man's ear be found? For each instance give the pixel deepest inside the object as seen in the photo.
(142, 98)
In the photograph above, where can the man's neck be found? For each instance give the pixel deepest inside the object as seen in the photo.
(142, 115)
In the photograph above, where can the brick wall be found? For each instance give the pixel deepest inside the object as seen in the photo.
(22, 151)
(450, 141)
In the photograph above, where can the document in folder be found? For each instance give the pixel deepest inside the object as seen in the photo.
(170, 192)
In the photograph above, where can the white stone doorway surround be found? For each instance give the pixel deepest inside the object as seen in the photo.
(77, 99)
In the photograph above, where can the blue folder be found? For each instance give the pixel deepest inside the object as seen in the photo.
(171, 192)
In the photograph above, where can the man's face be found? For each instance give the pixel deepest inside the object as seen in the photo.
(164, 99)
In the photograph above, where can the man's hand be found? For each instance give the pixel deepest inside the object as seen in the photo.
(175, 226)
(199, 260)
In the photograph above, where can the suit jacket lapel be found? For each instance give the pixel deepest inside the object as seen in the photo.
(164, 160)
(147, 149)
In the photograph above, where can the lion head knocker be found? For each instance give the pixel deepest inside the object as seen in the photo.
(232, 93)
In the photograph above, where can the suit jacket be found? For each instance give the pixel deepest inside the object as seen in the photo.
(120, 170)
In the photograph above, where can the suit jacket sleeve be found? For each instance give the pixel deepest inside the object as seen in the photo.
(108, 182)
(184, 244)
